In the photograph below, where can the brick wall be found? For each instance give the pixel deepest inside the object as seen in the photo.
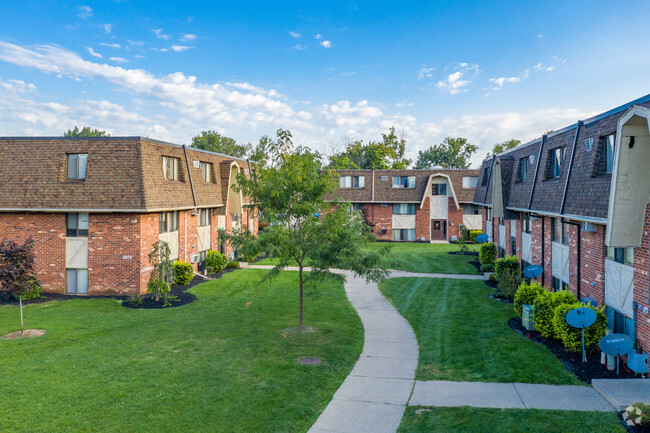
(149, 227)
(113, 254)
(423, 221)
(383, 219)
(483, 219)
(48, 232)
(592, 266)
(454, 218)
(188, 237)
(641, 294)
(548, 253)
(518, 241)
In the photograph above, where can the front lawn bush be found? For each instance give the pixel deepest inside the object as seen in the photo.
(544, 309)
(488, 267)
(473, 234)
(572, 337)
(233, 264)
(183, 273)
(508, 273)
(215, 262)
(526, 295)
(487, 253)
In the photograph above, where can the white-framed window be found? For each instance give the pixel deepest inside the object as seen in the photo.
(609, 146)
(206, 171)
(383, 205)
(621, 255)
(559, 285)
(357, 207)
(471, 209)
(403, 234)
(560, 231)
(403, 181)
(352, 182)
(404, 209)
(170, 167)
(77, 224)
(556, 162)
(525, 222)
(77, 163)
(470, 182)
(438, 189)
(76, 280)
(168, 222)
(523, 169)
(204, 217)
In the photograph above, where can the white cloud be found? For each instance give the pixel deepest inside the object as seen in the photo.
(159, 34)
(179, 48)
(188, 37)
(108, 28)
(105, 44)
(295, 35)
(299, 47)
(348, 74)
(326, 44)
(501, 81)
(401, 104)
(455, 83)
(540, 36)
(318, 36)
(138, 56)
(540, 67)
(425, 73)
(118, 59)
(93, 53)
(85, 12)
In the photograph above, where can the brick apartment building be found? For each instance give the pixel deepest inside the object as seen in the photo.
(575, 201)
(95, 206)
(413, 205)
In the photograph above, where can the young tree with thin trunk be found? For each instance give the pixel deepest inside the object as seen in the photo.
(17, 275)
(303, 228)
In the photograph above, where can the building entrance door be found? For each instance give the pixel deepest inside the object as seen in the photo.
(438, 230)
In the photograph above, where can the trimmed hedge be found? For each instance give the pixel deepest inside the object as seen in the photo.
(215, 261)
(572, 337)
(233, 264)
(527, 294)
(487, 253)
(544, 308)
(508, 273)
(183, 273)
(488, 267)
(473, 234)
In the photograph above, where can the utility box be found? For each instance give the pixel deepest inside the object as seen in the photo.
(638, 362)
(527, 317)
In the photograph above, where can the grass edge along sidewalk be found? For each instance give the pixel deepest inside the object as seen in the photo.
(224, 363)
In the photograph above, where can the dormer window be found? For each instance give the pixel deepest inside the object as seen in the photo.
(470, 182)
(556, 160)
(403, 181)
(170, 167)
(352, 182)
(438, 189)
(77, 163)
(523, 169)
(486, 174)
(206, 171)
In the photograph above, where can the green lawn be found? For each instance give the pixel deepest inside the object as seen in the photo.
(479, 420)
(220, 364)
(421, 257)
(464, 336)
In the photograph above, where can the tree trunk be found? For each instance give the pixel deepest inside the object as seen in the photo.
(20, 299)
(300, 309)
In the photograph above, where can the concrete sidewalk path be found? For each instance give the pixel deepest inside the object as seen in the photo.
(623, 392)
(508, 395)
(373, 397)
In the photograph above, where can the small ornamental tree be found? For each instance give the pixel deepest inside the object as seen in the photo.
(161, 274)
(17, 275)
(302, 227)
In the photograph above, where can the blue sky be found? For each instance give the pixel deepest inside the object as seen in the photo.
(329, 71)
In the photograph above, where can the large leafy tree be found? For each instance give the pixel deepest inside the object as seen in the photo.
(387, 153)
(451, 153)
(215, 142)
(86, 131)
(302, 227)
(17, 275)
(504, 146)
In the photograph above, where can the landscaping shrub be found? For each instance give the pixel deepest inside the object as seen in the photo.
(487, 253)
(215, 262)
(488, 267)
(508, 274)
(572, 337)
(638, 414)
(526, 295)
(233, 264)
(473, 234)
(183, 273)
(33, 293)
(250, 257)
(544, 309)
(135, 300)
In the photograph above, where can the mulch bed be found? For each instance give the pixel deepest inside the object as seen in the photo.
(592, 369)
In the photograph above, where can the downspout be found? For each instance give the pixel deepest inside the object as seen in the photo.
(579, 252)
(568, 176)
(189, 174)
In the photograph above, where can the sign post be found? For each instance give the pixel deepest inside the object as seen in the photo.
(616, 345)
(581, 318)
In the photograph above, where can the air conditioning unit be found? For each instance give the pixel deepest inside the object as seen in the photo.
(588, 227)
(527, 317)
(194, 258)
